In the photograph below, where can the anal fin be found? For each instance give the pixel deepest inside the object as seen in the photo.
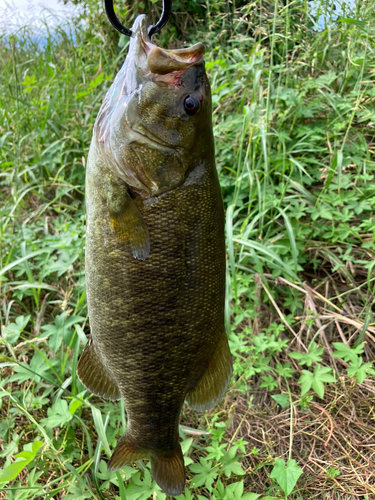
(94, 375)
(215, 380)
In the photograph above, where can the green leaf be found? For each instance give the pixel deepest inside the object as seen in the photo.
(206, 474)
(240, 444)
(359, 370)
(186, 445)
(22, 259)
(286, 475)
(282, 400)
(186, 495)
(12, 471)
(233, 491)
(216, 450)
(316, 380)
(61, 330)
(270, 254)
(98, 420)
(269, 382)
(143, 489)
(344, 352)
(38, 367)
(107, 476)
(22, 460)
(271, 498)
(355, 22)
(218, 433)
(230, 463)
(12, 331)
(284, 370)
(58, 414)
(314, 355)
(78, 491)
(321, 375)
(94, 83)
(332, 472)
(292, 239)
(74, 405)
(306, 381)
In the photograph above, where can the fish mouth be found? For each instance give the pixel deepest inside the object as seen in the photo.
(155, 62)
(148, 61)
(164, 62)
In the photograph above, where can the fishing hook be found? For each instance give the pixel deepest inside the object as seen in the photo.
(166, 12)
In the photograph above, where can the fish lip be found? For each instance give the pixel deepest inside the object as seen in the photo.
(167, 65)
(159, 61)
(147, 61)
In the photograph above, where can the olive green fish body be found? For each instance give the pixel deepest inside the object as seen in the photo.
(156, 322)
(155, 269)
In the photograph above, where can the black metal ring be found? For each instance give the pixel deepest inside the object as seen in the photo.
(167, 9)
(166, 12)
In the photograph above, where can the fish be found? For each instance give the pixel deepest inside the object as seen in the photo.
(155, 258)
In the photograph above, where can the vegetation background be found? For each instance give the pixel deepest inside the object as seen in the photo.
(294, 121)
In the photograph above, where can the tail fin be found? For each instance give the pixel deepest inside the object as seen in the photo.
(168, 470)
(126, 452)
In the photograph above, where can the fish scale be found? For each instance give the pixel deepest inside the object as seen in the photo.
(155, 261)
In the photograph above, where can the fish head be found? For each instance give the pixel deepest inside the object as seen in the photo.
(155, 125)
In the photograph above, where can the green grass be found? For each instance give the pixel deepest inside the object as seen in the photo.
(294, 114)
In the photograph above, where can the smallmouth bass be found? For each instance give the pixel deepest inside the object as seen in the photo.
(155, 254)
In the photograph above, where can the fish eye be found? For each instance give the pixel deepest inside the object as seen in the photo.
(191, 104)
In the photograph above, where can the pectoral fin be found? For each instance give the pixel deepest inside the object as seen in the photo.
(127, 222)
(215, 380)
(94, 375)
